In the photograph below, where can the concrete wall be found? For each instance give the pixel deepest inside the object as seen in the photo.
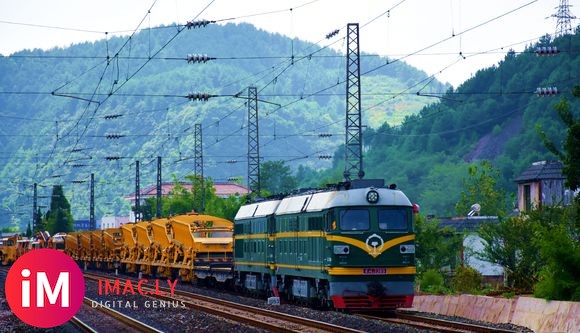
(537, 314)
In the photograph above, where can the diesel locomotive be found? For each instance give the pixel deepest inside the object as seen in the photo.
(348, 247)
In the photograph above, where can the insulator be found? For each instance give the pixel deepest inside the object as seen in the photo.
(324, 135)
(113, 116)
(112, 158)
(547, 50)
(114, 136)
(197, 24)
(232, 161)
(325, 157)
(547, 91)
(199, 96)
(192, 58)
(332, 34)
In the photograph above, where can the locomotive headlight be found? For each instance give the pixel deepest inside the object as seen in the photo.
(372, 196)
(341, 249)
(407, 248)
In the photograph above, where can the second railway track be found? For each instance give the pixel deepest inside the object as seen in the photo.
(252, 316)
(91, 319)
(437, 325)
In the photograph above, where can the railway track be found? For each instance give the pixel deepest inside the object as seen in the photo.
(91, 319)
(438, 325)
(113, 321)
(252, 316)
(81, 325)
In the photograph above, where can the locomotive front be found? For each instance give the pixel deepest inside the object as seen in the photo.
(370, 257)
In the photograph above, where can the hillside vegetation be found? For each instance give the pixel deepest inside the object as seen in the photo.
(492, 116)
(98, 107)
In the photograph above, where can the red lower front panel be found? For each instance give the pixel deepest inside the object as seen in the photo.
(389, 302)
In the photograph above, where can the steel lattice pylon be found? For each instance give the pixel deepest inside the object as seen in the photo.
(253, 141)
(34, 207)
(137, 193)
(564, 19)
(92, 222)
(198, 151)
(158, 203)
(198, 161)
(353, 147)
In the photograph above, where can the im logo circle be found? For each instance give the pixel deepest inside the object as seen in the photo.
(45, 288)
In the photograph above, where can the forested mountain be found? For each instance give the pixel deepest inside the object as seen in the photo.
(492, 116)
(98, 107)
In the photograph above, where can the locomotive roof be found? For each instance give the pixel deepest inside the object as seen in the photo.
(258, 209)
(317, 201)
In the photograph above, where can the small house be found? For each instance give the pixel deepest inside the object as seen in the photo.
(542, 184)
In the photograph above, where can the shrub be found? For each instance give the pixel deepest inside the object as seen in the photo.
(432, 282)
(466, 280)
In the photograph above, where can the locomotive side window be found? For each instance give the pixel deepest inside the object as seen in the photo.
(393, 219)
(354, 219)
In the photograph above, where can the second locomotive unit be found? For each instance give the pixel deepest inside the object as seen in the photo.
(347, 247)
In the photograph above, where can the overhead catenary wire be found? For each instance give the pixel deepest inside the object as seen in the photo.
(263, 94)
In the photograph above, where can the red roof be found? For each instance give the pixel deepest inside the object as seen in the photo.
(221, 190)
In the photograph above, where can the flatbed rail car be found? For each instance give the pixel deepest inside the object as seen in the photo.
(351, 247)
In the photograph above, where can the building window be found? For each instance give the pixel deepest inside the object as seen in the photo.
(527, 198)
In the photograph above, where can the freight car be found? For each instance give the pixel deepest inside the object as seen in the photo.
(348, 247)
(190, 246)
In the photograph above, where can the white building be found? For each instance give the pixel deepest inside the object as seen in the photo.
(113, 221)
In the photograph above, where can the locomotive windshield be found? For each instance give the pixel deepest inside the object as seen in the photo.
(354, 219)
(393, 218)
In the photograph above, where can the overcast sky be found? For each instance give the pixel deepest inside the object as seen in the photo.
(410, 25)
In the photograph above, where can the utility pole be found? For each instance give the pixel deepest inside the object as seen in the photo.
(563, 19)
(353, 146)
(253, 141)
(34, 208)
(158, 210)
(92, 222)
(137, 193)
(198, 161)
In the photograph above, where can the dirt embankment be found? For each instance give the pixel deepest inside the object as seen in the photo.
(491, 145)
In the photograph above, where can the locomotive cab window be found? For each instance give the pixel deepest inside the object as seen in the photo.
(354, 219)
(393, 219)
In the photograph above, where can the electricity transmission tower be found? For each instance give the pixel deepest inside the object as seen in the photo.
(563, 18)
(253, 141)
(198, 161)
(353, 147)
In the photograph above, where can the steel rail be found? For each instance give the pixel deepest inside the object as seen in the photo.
(247, 314)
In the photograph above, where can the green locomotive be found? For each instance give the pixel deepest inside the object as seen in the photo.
(348, 247)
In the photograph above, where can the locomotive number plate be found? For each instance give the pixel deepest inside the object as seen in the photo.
(375, 271)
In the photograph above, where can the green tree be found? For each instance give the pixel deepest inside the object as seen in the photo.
(556, 236)
(482, 187)
(509, 244)
(182, 201)
(39, 223)
(59, 217)
(437, 248)
(28, 231)
(276, 177)
(225, 207)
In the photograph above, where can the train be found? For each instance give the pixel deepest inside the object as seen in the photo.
(350, 246)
